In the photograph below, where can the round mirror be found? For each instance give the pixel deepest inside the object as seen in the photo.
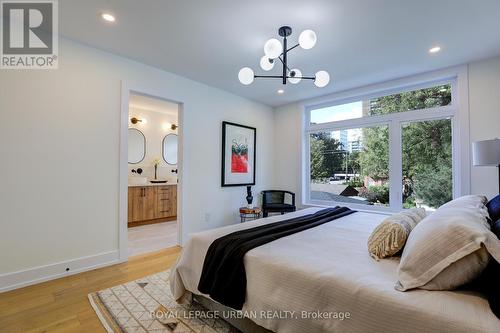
(136, 146)
(170, 149)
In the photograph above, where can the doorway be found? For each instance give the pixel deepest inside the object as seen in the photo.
(152, 217)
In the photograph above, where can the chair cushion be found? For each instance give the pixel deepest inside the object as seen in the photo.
(278, 206)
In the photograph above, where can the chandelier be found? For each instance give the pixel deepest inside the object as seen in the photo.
(275, 51)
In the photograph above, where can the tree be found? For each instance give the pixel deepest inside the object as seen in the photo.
(426, 146)
(433, 185)
(331, 150)
(427, 150)
(374, 160)
(317, 159)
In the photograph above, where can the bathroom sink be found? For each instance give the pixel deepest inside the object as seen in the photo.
(137, 180)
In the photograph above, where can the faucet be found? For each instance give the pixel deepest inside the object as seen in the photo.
(138, 171)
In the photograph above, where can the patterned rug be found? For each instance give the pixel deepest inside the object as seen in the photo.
(147, 305)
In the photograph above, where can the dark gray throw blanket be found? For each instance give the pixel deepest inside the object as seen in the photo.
(224, 277)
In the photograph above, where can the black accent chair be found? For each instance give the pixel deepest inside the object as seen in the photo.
(274, 201)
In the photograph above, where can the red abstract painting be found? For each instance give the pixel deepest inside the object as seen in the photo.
(239, 157)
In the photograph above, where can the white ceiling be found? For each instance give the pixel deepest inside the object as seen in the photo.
(359, 41)
(143, 102)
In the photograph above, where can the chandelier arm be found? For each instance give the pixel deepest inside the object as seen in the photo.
(280, 77)
(304, 77)
(290, 49)
(284, 63)
(268, 76)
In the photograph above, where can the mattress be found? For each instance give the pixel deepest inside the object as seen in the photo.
(323, 280)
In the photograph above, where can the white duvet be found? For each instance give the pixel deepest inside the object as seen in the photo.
(327, 271)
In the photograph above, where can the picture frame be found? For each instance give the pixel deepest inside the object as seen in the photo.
(238, 154)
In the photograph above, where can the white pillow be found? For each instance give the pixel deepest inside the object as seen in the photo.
(468, 201)
(449, 247)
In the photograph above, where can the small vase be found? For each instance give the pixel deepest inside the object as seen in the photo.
(249, 197)
(156, 169)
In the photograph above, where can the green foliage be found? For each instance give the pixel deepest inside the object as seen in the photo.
(427, 150)
(427, 160)
(411, 100)
(409, 203)
(374, 160)
(317, 159)
(376, 194)
(354, 182)
(433, 185)
(332, 155)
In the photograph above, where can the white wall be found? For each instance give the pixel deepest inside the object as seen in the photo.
(484, 101)
(154, 131)
(59, 150)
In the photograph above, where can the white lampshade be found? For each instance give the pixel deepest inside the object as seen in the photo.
(273, 48)
(297, 78)
(307, 39)
(486, 152)
(322, 78)
(246, 75)
(266, 63)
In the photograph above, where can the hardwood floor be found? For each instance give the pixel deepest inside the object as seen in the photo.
(62, 305)
(152, 237)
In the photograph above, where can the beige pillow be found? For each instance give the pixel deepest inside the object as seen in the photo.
(389, 237)
(449, 247)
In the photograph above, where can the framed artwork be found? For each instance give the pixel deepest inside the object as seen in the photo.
(238, 154)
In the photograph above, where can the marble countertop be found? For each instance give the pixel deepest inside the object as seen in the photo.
(152, 184)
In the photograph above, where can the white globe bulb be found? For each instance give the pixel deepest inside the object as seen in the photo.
(273, 48)
(246, 75)
(296, 79)
(322, 79)
(307, 39)
(266, 64)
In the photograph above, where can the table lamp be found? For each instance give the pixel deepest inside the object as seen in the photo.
(487, 153)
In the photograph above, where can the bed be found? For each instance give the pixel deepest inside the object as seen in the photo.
(326, 271)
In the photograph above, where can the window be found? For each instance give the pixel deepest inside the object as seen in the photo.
(338, 163)
(385, 151)
(436, 96)
(427, 164)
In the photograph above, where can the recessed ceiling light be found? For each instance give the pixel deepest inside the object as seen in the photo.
(108, 17)
(281, 91)
(434, 49)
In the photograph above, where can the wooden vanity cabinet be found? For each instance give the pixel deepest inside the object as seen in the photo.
(151, 204)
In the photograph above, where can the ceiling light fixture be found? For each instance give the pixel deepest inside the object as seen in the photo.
(434, 49)
(108, 17)
(275, 50)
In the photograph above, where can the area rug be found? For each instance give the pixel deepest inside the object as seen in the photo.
(146, 305)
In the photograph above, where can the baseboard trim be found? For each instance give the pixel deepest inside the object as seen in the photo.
(19, 279)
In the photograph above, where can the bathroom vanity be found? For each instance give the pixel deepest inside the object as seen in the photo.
(152, 203)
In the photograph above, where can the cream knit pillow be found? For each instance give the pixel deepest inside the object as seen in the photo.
(389, 237)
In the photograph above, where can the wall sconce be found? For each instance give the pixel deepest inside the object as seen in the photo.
(135, 120)
(174, 127)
